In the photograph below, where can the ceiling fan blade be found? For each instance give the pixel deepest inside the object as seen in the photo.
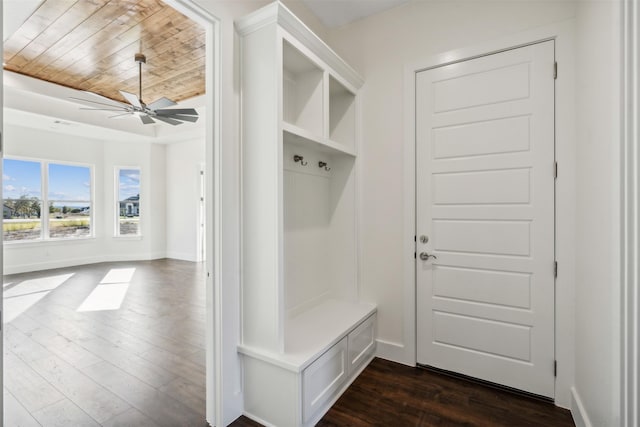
(102, 109)
(131, 98)
(168, 120)
(182, 117)
(172, 111)
(146, 119)
(88, 101)
(161, 103)
(102, 98)
(120, 116)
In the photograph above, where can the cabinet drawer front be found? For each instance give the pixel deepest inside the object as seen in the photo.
(323, 379)
(361, 343)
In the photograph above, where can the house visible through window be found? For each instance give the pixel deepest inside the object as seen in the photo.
(128, 188)
(44, 200)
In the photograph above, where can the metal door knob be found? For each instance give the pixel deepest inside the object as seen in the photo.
(425, 256)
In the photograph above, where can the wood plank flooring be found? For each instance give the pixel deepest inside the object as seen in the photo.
(143, 364)
(140, 364)
(389, 394)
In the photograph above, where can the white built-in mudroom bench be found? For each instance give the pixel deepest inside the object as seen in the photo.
(306, 334)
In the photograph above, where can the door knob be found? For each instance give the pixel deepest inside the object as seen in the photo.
(425, 256)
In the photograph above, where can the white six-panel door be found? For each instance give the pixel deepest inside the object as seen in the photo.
(485, 206)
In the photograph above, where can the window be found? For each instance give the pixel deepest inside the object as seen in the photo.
(69, 201)
(128, 206)
(30, 185)
(22, 200)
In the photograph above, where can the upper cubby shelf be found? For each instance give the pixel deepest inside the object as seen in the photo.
(342, 114)
(302, 90)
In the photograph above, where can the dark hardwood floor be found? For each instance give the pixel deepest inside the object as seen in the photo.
(388, 394)
(71, 362)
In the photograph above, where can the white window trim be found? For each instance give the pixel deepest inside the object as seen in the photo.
(116, 205)
(44, 200)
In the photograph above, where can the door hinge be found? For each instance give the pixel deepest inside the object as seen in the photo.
(555, 170)
(415, 256)
(555, 368)
(555, 70)
(555, 269)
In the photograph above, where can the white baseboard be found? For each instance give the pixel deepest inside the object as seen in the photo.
(394, 352)
(183, 256)
(38, 266)
(72, 262)
(578, 411)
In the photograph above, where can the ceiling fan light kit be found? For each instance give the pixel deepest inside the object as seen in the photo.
(148, 113)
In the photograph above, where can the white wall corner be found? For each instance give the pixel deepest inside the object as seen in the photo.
(578, 411)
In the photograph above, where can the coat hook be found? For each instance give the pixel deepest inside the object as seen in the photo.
(323, 165)
(297, 158)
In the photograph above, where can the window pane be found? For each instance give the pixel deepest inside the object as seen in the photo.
(21, 219)
(21, 178)
(22, 190)
(68, 220)
(129, 201)
(69, 182)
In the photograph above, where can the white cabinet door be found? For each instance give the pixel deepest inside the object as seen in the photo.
(485, 202)
(323, 379)
(362, 343)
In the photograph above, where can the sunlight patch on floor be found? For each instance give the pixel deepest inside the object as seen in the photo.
(105, 297)
(110, 292)
(24, 295)
(118, 275)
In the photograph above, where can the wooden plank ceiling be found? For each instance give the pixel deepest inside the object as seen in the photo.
(90, 45)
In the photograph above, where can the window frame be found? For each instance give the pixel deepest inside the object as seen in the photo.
(116, 204)
(44, 200)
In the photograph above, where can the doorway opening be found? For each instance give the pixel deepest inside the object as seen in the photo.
(117, 291)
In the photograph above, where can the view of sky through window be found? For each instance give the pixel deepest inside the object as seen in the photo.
(68, 182)
(21, 178)
(129, 183)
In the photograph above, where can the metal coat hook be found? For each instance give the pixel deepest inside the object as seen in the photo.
(297, 158)
(323, 165)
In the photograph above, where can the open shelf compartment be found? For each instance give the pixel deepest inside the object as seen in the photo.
(342, 114)
(302, 86)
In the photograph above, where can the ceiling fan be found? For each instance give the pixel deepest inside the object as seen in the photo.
(148, 113)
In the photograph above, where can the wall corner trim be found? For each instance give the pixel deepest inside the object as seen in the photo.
(578, 412)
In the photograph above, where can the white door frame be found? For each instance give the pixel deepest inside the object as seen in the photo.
(213, 165)
(562, 33)
(201, 220)
(630, 232)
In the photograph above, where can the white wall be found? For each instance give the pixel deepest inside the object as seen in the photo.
(597, 337)
(380, 47)
(183, 198)
(104, 155)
